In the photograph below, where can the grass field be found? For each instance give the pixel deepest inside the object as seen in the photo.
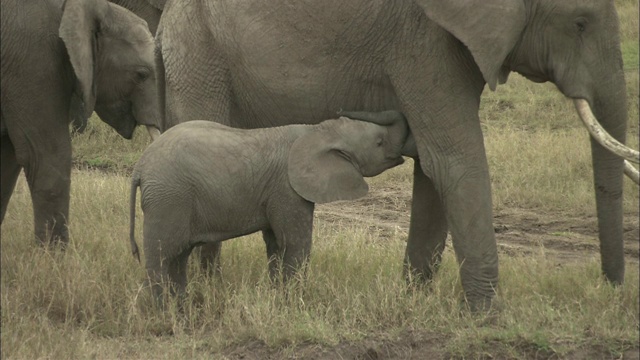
(89, 302)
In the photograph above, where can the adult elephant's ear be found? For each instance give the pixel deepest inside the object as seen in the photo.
(78, 30)
(489, 29)
(320, 172)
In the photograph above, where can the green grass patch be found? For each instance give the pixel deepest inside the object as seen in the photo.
(630, 54)
(102, 148)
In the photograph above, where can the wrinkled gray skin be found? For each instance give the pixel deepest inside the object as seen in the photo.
(254, 64)
(149, 10)
(59, 63)
(202, 182)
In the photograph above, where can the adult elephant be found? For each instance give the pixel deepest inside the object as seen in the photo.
(62, 60)
(256, 64)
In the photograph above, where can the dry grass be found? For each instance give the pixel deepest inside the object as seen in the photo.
(89, 302)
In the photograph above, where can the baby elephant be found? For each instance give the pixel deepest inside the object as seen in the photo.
(203, 182)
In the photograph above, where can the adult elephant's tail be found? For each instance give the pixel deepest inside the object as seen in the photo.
(135, 182)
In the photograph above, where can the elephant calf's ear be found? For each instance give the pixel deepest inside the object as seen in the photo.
(320, 173)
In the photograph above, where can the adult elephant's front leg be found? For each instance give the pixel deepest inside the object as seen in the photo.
(427, 231)
(450, 145)
(467, 198)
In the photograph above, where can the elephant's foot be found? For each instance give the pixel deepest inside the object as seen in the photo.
(480, 284)
(482, 311)
(53, 238)
(414, 275)
(480, 304)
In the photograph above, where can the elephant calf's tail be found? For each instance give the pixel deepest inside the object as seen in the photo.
(135, 182)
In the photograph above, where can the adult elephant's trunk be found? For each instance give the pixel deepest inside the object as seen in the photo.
(610, 108)
(146, 109)
(153, 132)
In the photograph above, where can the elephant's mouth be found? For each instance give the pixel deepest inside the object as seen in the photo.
(535, 76)
(119, 116)
(396, 161)
(603, 138)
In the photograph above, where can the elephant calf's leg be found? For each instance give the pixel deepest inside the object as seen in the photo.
(177, 272)
(274, 253)
(209, 255)
(293, 227)
(167, 274)
(296, 253)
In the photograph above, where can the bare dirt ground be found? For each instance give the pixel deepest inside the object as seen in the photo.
(565, 236)
(386, 210)
(409, 346)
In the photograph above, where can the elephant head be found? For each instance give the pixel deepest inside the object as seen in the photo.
(576, 46)
(328, 163)
(112, 54)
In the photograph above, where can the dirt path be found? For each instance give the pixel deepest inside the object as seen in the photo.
(569, 237)
(410, 345)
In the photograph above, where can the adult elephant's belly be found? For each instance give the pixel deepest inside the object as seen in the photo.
(280, 95)
(282, 75)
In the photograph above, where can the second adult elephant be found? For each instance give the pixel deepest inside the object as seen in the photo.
(61, 60)
(149, 11)
(256, 64)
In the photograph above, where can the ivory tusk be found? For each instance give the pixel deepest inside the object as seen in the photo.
(631, 172)
(601, 135)
(153, 132)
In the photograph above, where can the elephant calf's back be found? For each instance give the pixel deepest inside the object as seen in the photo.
(213, 178)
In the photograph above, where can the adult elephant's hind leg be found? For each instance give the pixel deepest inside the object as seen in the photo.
(9, 172)
(427, 231)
